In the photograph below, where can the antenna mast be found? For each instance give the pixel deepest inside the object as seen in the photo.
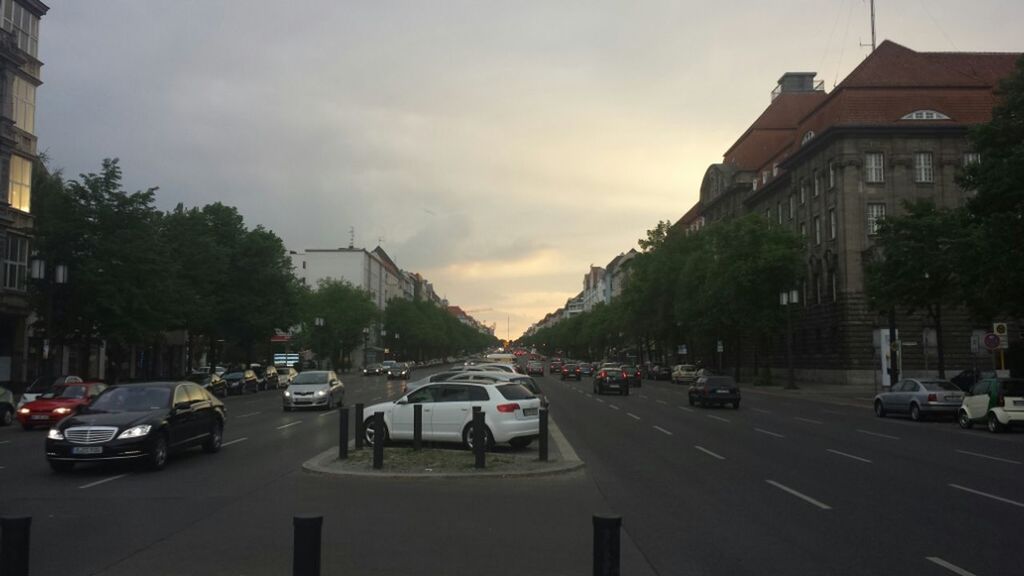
(872, 26)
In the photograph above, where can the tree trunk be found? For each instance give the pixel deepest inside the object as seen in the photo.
(940, 351)
(739, 356)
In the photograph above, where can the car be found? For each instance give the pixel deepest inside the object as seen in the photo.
(6, 407)
(495, 377)
(659, 372)
(285, 375)
(211, 381)
(493, 367)
(218, 370)
(399, 370)
(372, 369)
(555, 367)
(270, 380)
(44, 384)
(242, 381)
(920, 397)
(714, 390)
(611, 378)
(143, 421)
(633, 375)
(314, 389)
(998, 402)
(684, 374)
(511, 414)
(570, 371)
(61, 400)
(966, 379)
(586, 369)
(535, 367)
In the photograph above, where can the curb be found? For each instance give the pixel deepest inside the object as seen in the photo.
(320, 464)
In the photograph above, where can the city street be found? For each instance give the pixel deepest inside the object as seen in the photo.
(780, 486)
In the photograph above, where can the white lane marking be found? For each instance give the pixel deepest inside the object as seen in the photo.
(808, 420)
(661, 402)
(289, 425)
(644, 397)
(719, 418)
(762, 411)
(613, 406)
(599, 400)
(589, 395)
(235, 441)
(104, 481)
(989, 457)
(987, 495)
(870, 433)
(327, 413)
(2, 467)
(951, 567)
(662, 430)
(709, 452)
(799, 495)
(5, 441)
(633, 416)
(849, 455)
(249, 414)
(684, 408)
(762, 431)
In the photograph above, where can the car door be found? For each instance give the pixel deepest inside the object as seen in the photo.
(202, 410)
(402, 414)
(451, 412)
(977, 402)
(182, 423)
(906, 395)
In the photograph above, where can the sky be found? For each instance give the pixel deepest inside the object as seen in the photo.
(498, 148)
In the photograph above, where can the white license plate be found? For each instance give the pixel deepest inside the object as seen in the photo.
(722, 391)
(87, 450)
(40, 417)
(1018, 402)
(529, 411)
(952, 398)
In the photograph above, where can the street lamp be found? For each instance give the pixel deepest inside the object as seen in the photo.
(320, 323)
(366, 342)
(786, 300)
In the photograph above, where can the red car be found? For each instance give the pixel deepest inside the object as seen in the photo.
(54, 405)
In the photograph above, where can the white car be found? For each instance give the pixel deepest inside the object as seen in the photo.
(314, 389)
(684, 374)
(511, 414)
(285, 376)
(997, 402)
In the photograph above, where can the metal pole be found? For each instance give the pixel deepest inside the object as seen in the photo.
(791, 384)
(543, 440)
(894, 365)
(360, 431)
(342, 433)
(606, 544)
(378, 440)
(14, 545)
(478, 438)
(306, 548)
(417, 426)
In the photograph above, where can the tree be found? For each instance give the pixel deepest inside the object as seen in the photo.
(344, 310)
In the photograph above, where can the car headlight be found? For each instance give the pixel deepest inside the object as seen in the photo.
(62, 410)
(287, 394)
(55, 434)
(135, 432)
(23, 410)
(321, 392)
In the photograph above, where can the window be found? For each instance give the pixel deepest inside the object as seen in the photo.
(803, 229)
(180, 395)
(19, 192)
(874, 169)
(924, 170)
(876, 213)
(768, 214)
(817, 184)
(16, 264)
(23, 24)
(808, 136)
(792, 206)
(775, 170)
(24, 105)
(832, 284)
(764, 177)
(803, 193)
(817, 230)
(831, 223)
(817, 288)
(831, 175)
(925, 115)
(778, 211)
(971, 158)
(753, 185)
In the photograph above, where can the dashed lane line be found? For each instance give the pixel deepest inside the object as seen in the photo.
(763, 431)
(235, 441)
(633, 416)
(104, 481)
(762, 411)
(685, 409)
(662, 430)
(808, 420)
(709, 452)
(949, 566)
(613, 406)
(987, 495)
(800, 495)
(661, 402)
(643, 396)
(290, 424)
(248, 415)
(1008, 461)
(880, 435)
(849, 456)
(712, 416)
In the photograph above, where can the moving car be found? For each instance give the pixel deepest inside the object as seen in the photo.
(535, 367)
(144, 421)
(242, 381)
(211, 381)
(55, 405)
(44, 384)
(684, 374)
(511, 414)
(611, 378)
(314, 389)
(555, 367)
(714, 390)
(372, 369)
(586, 369)
(998, 402)
(399, 370)
(570, 371)
(659, 372)
(633, 375)
(271, 379)
(920, 397)
(6, 407)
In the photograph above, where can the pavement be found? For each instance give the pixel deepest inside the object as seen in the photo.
(840, 395)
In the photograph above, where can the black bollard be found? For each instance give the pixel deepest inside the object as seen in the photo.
(543, 440)
(14, 545)
(606, 544)
(360, 431)
(306, 549)
(479, 439)
(378, 440)
(342, 433)
(417, 426)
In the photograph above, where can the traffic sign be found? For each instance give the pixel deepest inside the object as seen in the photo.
(992, 341)
(720, 347)
(999, 329)
(682, 349)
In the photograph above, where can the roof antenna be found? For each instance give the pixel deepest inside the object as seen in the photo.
(872, 27)
(351, 237)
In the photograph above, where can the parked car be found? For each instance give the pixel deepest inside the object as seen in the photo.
(920, 397)
(570, 371)
(44, 384)
(714, 390)
(497, 377)
(966, 379)
(586, 369)
(210, 381)
(218, 370)
(314, 389)
(511, 414)
(144, 421)
(535, 367)
(611, 378)
(270, 379)
(241, 382)
(684, 374)
(633, 375)
(659, 372)
(6, 407)
(998, 402)
(372, 369)
(55, 405)
(399, 370)
(285, 375)
(438, 377)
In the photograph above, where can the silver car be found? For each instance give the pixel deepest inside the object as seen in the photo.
(920, 397)
(314, 389)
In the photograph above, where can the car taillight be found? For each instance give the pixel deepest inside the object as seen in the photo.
(625, 375)
(508, 407)
(933, 397)
(603, 374)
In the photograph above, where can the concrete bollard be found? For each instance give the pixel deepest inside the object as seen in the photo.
(543, 440)
(606, 544)
(14, 545)
(306, 547)
(342, 433)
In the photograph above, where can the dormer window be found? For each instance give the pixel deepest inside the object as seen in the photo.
(925, 115)
(807, 137)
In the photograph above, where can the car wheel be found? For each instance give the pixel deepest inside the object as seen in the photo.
(520, 443)
(994, 426)
(6, 416)
(879, 409)
(467, 437)
(370, 434)
(213, 443)
(915, 412)
(61, 467)
(158, 455)
(964, 420)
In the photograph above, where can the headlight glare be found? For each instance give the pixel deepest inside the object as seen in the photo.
(23, 410)
(135, 432)
(62, 410)
(287, 394)
(55, 434)
(321, 392)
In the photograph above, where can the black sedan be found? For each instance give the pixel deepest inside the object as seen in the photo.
(611, 380)
(144, 421)
(212, 382)
(242, 381)
(714, 390)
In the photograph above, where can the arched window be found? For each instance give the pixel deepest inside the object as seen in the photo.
(807, 137)
(925, 115)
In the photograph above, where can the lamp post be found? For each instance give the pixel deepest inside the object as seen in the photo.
(787, 299)
(366, 342)
(320, 323)
(397, 355)
(37, 270)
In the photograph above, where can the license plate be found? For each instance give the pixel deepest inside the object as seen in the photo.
(40, 417)
(1018, 402)
(529, 411)
(722, 391)
(87, 450)
(952, 397)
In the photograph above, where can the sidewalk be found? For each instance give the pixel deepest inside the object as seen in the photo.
(858, 396)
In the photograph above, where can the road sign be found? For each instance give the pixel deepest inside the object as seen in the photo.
(999, 329)
(992, 341)
(721, 348)
(682, 349)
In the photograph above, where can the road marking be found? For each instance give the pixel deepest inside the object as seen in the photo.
(662, 402)
(803, 497)
(809, 420)
(849, 455)
(762, 431)
(376, 398)
(589, 395)
(951, 567)
(684, 408)
(249, 414)
(662, 430)
(633, 416)
(709, 452)
(989, 457)
(987, 495)
(5, 441)
(644, 397)
(599, 400)
(719, 418)
(289, 425)
(327, 413)
(235, 441)
(613, 406)
(870, 433)
(104, 481)
(762, 411)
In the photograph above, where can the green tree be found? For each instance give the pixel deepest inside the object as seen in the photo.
(344, 310)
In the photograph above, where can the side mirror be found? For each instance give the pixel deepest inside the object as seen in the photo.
(402, 401)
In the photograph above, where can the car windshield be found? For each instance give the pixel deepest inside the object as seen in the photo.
(939, 386)
(132, 399)
(233, 376)
(513, 391)
(311, 378)
(70, 391)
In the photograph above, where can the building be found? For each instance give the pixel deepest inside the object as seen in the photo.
(616, 273)
(19, 79)
(593, 287)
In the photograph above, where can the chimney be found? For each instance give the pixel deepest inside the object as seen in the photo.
(797, 82)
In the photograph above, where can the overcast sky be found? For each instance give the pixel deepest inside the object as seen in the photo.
(498, 148)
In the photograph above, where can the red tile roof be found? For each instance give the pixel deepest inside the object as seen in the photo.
(773, 129)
